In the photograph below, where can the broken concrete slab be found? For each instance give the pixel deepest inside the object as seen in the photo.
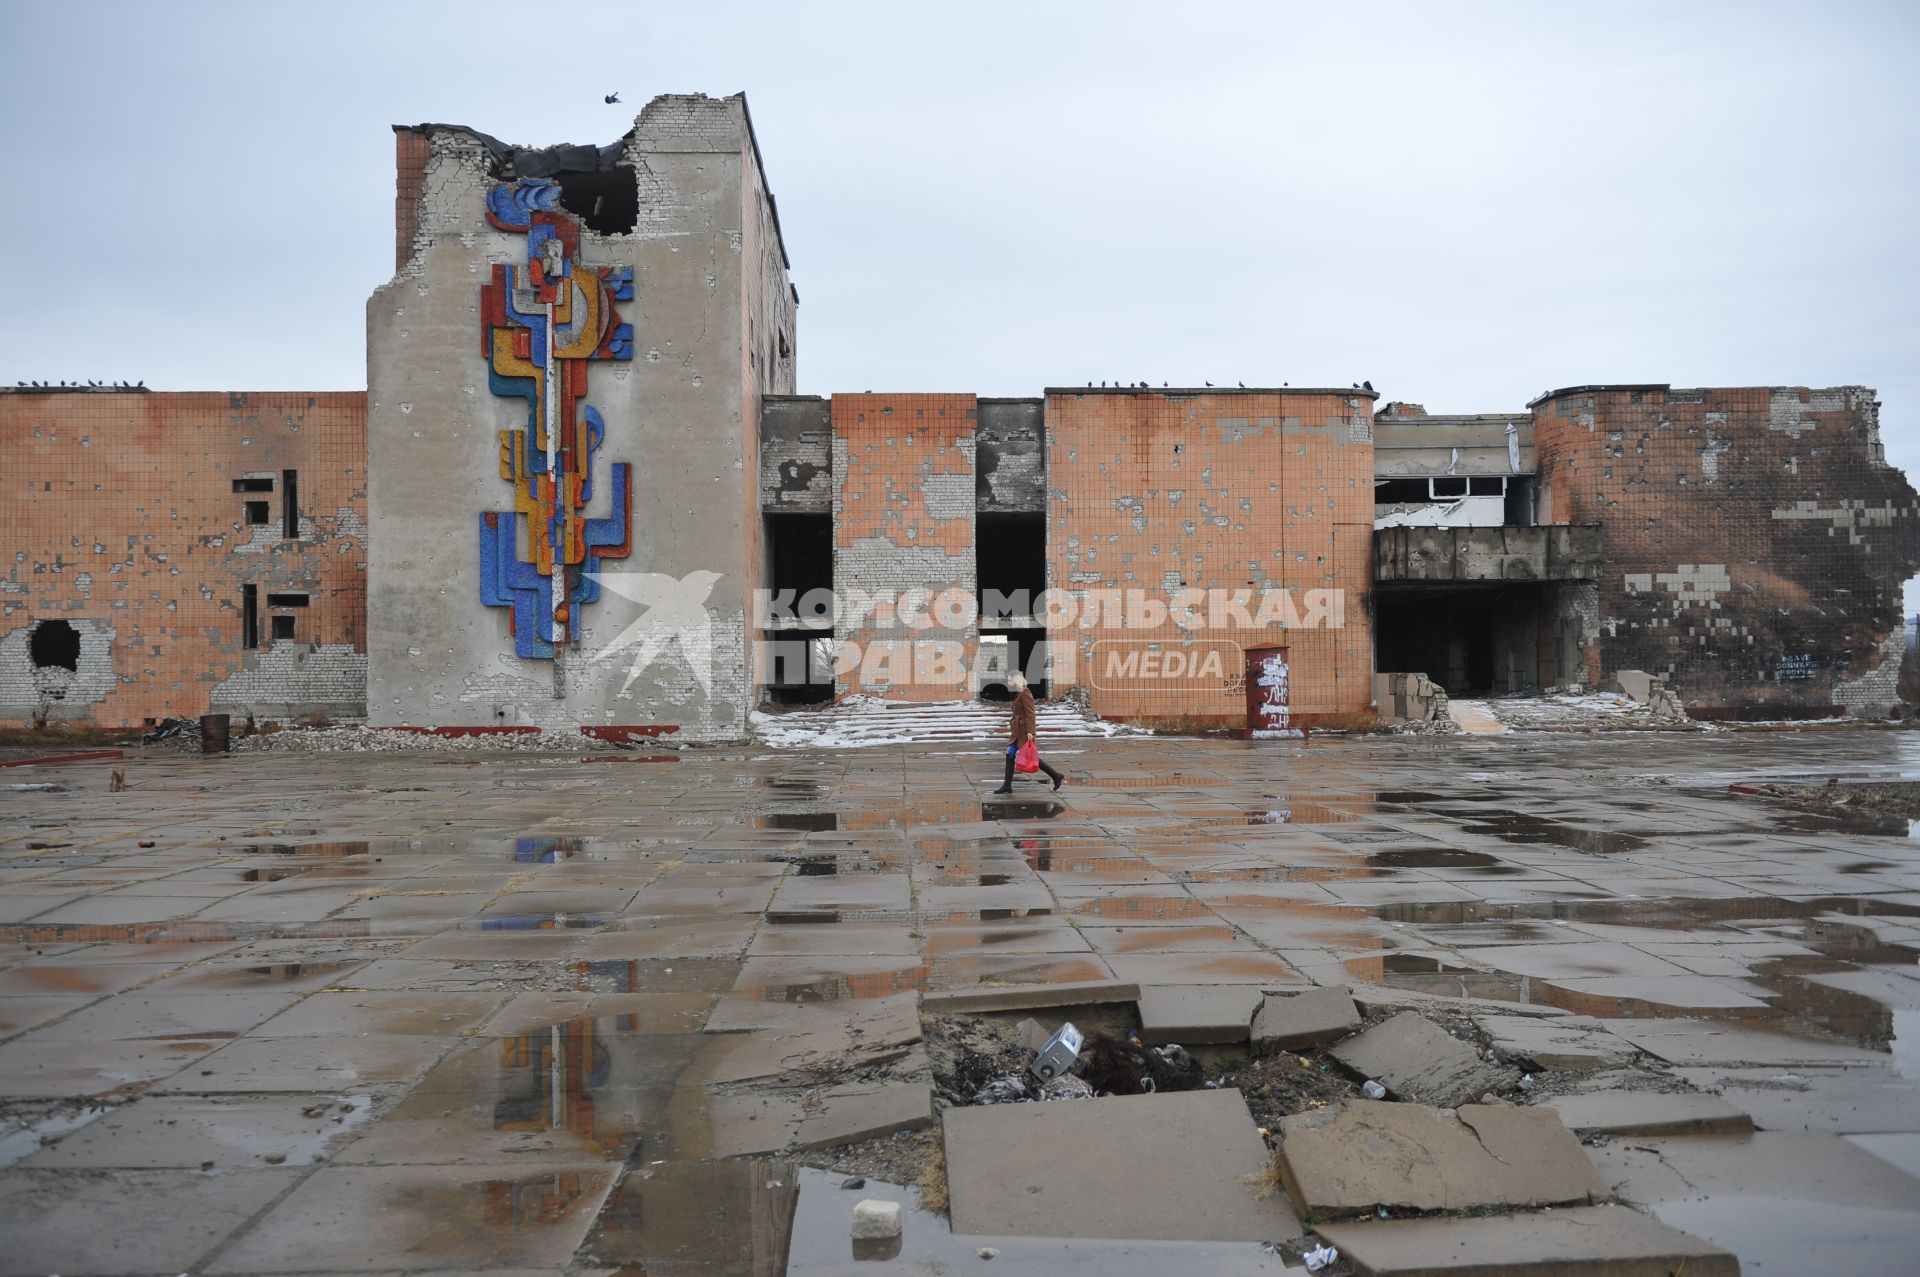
(1571, 1042)
(1294, 1021)
(1649, 1113)
(864, 1111)
(1197, 1013)
(1351, 1160)
(1100, 1168)
(1416, 1059)
(1585, 1241)
(1025, 997)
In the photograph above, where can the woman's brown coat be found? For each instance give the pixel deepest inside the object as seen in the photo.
(1022, 725)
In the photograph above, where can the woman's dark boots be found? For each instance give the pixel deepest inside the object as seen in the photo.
(1006, 786)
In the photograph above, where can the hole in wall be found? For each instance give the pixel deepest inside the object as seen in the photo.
(54, 645)
(607, 201)
(283, 627)
(253, 485)
(259, 514)
(286, 600)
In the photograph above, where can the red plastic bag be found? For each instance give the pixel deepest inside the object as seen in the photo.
(1028, 759)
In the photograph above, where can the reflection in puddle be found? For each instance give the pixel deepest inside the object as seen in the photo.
(1022, 809)
(800, 821)
(1431, 858)
(546, 851)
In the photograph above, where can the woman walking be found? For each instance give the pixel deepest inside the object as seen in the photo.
(1021, 730)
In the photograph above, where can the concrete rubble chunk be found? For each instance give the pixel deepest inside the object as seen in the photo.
(1586, 1241)
(1349, 1161)
(877, 1221)
(1415, 1059)
(1572, 1042)
(1293, 1021)
(1143, 1167)
(1649, 1113)
(1196, 1013)
(867, 1111)
(1026, 997)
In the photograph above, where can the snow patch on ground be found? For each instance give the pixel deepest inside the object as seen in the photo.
(860, 722)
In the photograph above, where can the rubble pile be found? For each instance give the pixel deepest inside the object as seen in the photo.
(1387, 1127)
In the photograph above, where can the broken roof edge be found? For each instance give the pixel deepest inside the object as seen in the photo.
(1184, 391)
(556, 156)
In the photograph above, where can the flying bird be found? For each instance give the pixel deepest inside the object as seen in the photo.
(611, 98)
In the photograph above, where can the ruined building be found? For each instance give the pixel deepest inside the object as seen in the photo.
(580, 470)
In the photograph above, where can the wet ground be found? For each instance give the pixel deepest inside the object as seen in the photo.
(278, 1013)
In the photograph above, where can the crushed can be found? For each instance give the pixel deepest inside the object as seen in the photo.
(1060, 1054)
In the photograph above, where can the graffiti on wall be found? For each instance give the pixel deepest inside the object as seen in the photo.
(543, 322)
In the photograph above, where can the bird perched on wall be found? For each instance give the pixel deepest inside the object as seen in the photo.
(611, 98)
(1366, 385)
(1243, 385)
(1209, 383)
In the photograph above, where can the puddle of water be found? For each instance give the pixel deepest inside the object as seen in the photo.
(697, 1217)
(1431, 858)
(1538, 830)
(535, 922)
(547, 851)
(24, 1141)
(1022, 809)
(799, 821)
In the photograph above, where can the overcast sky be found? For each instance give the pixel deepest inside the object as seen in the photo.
(1466, 204)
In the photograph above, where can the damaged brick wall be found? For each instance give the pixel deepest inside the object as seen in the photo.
(127, 522)
(796, 456)
(1756, 541)
(1240, 491)
(1012, 457)
(903, 520)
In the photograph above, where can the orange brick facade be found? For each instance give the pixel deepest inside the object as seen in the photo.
(1261, 495)
(124, 521)
(903, 507)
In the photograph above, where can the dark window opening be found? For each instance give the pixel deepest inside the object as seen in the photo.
(54, 644)
(250, 615)
(1519, 511)
(253, 485)
(1010, 557)
(283, 627)
(802, 552)
(607, 201)
(1486, 486)
(1470, 639)
(290, 504)
(1448, 487)
(1400, 491)
(258, 514)
(785, 349)
(286, 600)
(799, 667)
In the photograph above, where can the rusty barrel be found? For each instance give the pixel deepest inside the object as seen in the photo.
(213, 733)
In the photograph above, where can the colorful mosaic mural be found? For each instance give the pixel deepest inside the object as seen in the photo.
(542, 323)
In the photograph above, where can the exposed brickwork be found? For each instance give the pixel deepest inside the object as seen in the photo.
(412, 150)
(1756, 541)
(1164, 491)
(123, 521)
(903, 508)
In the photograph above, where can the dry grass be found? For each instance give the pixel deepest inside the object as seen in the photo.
(1267, 1182)
(933, 1176)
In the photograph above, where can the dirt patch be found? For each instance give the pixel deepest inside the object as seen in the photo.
(901, 1158)
(1898, 799)
(1278, 1086)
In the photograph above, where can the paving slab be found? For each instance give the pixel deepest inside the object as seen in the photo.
(1693, 1042)
(1295, 1021)
(1371, 1153)
(223, 1133)
(1852, 1099)
(459, 1217)
(130, 1222)
(1649, 1113)
(1416, 1059)
(1024, 997)
(1584, 1241)
(1197, 1013)
(1570, 1042)
(864, 1111)
(1783, 1201)
(1113, 1167)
